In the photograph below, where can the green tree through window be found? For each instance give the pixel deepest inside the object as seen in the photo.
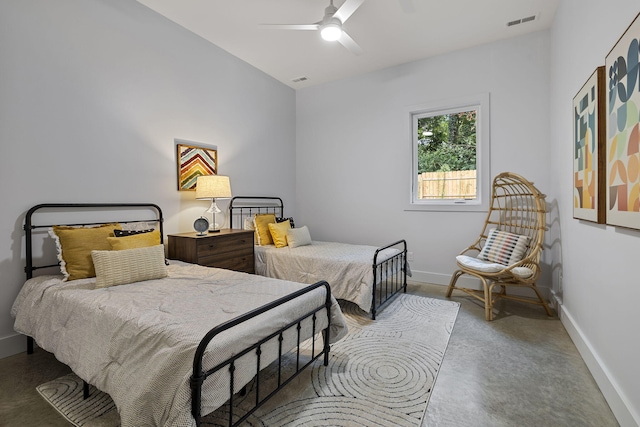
(447, 142)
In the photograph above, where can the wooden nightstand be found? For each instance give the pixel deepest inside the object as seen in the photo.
(230, 249)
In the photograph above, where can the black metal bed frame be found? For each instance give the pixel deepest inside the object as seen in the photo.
(199, 375)
(384, 271)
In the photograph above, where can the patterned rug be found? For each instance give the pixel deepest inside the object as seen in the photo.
(381, 374)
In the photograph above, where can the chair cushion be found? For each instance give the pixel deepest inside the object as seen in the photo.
(479, 265)
(491, 267)
(503, 247)
(522, 272)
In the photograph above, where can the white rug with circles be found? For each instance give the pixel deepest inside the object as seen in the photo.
(381, 374)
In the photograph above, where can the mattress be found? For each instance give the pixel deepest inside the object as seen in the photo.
(136, 342)
(346, 267)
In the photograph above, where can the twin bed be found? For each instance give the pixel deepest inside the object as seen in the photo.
(368, 276)
(172, 349)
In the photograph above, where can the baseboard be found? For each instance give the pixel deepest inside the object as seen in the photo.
(623, 410)
(620, 404)
(13, 344)
(467, 281)
(442, 279)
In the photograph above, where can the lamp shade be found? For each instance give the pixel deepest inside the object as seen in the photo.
(213, 187)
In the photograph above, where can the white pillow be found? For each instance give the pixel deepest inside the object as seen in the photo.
(298, 237)
(248, 223)
(129, 265)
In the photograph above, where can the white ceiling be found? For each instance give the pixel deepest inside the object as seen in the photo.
(390, 32)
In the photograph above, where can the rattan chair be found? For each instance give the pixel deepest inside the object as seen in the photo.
(517, 209)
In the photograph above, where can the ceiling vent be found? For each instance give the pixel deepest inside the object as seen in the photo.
(521, 21)
(300, 79)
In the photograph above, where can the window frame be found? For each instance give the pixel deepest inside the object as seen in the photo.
(480, 103)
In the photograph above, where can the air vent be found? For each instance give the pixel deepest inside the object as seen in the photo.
(521, 21)
(300, 79)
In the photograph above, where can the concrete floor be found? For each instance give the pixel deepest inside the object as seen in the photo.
(521, 369)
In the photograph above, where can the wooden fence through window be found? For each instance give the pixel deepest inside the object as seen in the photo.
(447, 185)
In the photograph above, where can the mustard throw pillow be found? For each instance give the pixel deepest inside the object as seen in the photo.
(75, 244)
(263, 235)
(279, 233)
(134, 241)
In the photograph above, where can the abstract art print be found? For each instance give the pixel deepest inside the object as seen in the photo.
(623, 130)
(588, 148)
(194, 161)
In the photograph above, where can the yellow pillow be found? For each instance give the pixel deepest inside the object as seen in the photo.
(279, 233)
(135, 241)
(263, 235)
(75, 244)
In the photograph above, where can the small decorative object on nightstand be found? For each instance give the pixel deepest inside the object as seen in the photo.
(230, 249)
(201, 225)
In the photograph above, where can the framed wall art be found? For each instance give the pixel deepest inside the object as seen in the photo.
(623, 130)
(194, 161)
(588, 149)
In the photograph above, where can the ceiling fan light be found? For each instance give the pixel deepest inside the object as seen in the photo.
(331, 32)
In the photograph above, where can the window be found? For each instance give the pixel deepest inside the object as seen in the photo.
(450, 155)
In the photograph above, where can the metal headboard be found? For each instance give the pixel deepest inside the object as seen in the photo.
(30, 226)
(242, 207)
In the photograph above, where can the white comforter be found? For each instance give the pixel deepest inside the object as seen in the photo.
(347, 268)
(136, 342)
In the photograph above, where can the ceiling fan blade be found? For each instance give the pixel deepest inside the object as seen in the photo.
(288, 26)
(347, 9)
(350, 44)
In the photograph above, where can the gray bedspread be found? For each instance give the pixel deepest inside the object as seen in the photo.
(347, 267)
(136, 342)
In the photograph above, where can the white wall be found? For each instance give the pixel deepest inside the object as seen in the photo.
(353, 157)
(600, 289)
(92, 95)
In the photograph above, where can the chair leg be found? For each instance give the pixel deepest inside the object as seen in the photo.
(488, 300)
(542, 301)
(452, 282)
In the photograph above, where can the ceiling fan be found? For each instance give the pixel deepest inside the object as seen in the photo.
(330, 26)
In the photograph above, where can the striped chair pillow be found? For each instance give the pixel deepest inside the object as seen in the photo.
(503, 247)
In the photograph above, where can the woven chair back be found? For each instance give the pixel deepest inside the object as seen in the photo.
(518, 207)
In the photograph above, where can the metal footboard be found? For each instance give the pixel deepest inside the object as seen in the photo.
(389, 276)
(199, 375)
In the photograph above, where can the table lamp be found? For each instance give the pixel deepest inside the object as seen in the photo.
(213, 187)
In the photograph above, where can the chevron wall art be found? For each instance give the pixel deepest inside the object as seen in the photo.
(194, 161)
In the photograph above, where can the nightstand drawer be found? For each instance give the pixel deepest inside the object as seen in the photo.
(215, 259)
(222, 244)
(238, 262)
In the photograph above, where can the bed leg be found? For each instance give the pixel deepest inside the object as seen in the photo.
(85, 390)
(327, 346)
(29, 345)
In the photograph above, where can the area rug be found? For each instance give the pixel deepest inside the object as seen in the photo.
(381, 374)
